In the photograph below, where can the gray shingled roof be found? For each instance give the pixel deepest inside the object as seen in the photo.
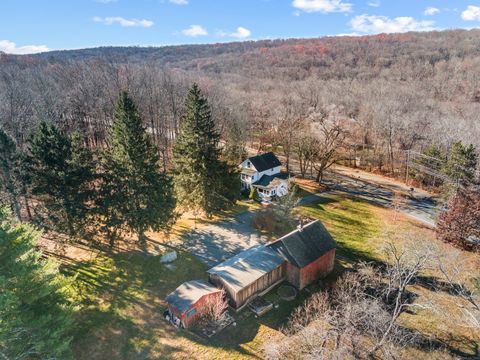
(247, 267)
(301, 247)
(189, 293)
(265, 161)
(271, 180)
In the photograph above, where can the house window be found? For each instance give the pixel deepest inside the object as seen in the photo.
(273, 192)
(191, 312)
(249, 164)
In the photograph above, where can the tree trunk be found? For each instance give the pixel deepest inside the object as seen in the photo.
(111, 239)
(142, 240)
(27, 207)
(15, 205)
(71, 228)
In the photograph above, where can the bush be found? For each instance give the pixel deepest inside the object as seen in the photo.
(254, 194)
(268, 221)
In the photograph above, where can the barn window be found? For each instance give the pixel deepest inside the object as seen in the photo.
(191, 312)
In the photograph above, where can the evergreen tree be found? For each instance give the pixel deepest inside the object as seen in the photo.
(9, 162)
(461, 162)
(61, 172)
(202, 181)
(434, 158)
(36, 314)
(136, 195)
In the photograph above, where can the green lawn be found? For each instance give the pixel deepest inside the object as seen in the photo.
(353, 224)
(118, 295)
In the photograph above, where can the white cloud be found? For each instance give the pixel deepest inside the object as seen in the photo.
(241, 33)
(194, 31)
(106, 1)
(324, 6)
(179, 2)
(472, 13)
(375, 3)
(10, 47)
(431, 11)
(372, 24)
(110, 20)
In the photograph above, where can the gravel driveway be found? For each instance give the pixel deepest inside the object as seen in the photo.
(216, 242)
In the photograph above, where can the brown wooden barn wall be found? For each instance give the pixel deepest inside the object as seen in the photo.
(238, 298)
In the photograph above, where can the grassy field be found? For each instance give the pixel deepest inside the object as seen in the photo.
(122, 295)
(361, 229)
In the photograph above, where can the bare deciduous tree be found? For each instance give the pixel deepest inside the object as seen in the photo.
(214, 307)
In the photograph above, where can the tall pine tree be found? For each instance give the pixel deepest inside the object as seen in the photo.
(61, 172)
(462, 162)
(203, 183)
(9, 163)
(36, 312)
(136, 196)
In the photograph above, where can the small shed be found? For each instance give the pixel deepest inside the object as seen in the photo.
(186, 301)
(309, 252)
(249, 273)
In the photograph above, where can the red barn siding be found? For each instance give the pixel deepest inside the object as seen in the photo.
(188, 321)
(317, 269)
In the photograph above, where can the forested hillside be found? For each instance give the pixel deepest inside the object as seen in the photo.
(386, 93)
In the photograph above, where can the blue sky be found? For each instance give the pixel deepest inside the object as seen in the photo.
(28, 26)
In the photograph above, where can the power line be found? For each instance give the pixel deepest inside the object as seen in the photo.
(433, 166)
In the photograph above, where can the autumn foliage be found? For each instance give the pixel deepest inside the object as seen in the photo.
(460, 224)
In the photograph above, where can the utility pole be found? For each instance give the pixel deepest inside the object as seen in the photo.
(406, 167)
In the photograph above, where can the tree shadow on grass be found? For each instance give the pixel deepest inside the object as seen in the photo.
(435, 284)
(121, 308)
(459, 346)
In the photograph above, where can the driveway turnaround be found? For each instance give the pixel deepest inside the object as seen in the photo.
(216, 242)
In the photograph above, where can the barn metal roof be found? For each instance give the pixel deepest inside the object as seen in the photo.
(247, 267)
(265, 161)
(189, 293)
(305, 245)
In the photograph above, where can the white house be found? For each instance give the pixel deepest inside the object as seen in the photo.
(263, 172)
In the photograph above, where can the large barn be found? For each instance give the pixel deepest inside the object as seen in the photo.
(300, 257)
(309, 252)
(248, 274)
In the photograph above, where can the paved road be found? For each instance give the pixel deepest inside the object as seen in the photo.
(218, 241)
(419, 205)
